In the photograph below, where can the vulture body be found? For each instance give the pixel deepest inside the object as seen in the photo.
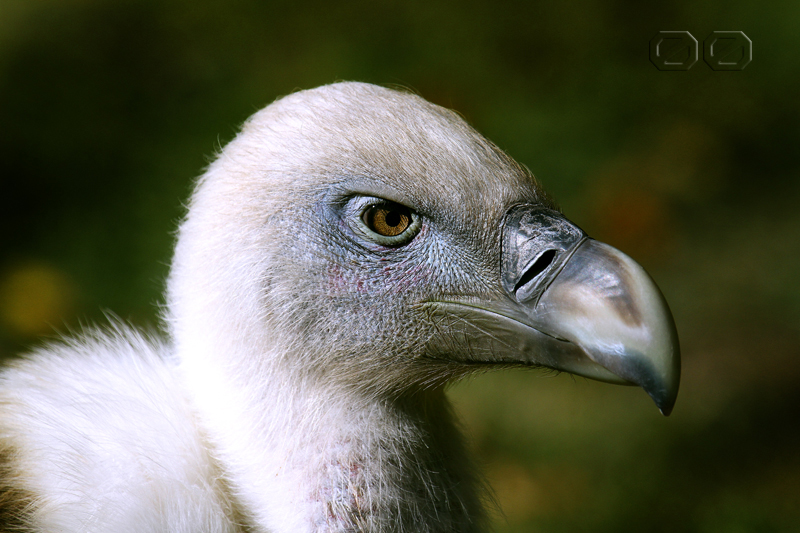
(348, 254)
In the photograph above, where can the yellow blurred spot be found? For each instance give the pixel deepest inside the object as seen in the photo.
(518, 494)
(34, 298)
(524, 494)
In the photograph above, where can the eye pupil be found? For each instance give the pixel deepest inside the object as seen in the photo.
(393, 219)
(388, 220)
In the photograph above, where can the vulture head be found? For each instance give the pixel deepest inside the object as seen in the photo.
(360, 237)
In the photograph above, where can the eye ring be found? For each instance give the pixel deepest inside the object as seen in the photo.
(389, 223)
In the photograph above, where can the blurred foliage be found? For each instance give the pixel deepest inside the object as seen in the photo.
(108, 109)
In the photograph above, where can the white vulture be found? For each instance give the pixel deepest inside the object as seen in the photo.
(348, 254)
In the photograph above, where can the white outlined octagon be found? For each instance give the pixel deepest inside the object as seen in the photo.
(716, 52)
(668, 50)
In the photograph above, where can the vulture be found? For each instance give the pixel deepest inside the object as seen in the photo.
(348, 254)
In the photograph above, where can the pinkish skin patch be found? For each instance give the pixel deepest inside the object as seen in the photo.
(395, 279)
(398, 277)
(341, 497)
(336, 281)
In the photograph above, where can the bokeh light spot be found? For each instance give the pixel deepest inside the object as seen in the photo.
(34, 297)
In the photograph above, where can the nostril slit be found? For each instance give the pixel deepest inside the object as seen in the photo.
(538, 266)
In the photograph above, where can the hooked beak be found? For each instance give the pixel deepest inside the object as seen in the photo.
(569, 303)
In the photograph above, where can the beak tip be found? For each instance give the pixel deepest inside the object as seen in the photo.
(665, 405)
(664, 396)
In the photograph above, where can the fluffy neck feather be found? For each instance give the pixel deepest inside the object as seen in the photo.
(301, 457)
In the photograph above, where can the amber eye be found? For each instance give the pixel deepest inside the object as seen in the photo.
(387, 219)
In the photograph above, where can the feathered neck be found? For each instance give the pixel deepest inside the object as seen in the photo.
(302, 458)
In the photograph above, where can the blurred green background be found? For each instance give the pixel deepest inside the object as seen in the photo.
(109, 109)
